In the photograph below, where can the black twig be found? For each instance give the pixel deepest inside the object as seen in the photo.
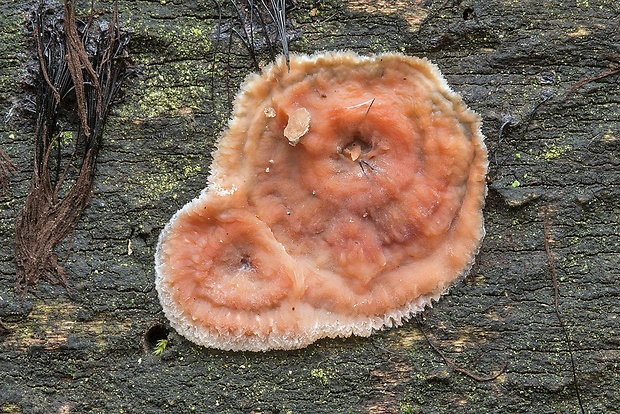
(362, 163)
(369, 106)
(556, 305)
(216, 49)
(264, 27)
(509, 120)
(546, 96)
(278, 15)
(3, 328)
(254, 16)
(455, 366)
(246, 38)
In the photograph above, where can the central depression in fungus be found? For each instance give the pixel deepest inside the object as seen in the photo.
(344, 197)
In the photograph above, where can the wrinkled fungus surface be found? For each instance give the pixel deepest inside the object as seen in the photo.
(345, 195)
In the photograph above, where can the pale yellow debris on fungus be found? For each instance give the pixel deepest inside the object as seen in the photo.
(297, 126)
(269, 112)
(374, 213)
(354, 151)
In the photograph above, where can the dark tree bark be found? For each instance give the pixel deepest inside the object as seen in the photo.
(552, 215)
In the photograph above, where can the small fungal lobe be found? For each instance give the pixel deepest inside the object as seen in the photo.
(345, 196)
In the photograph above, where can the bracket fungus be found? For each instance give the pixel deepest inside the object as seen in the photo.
(345, 196)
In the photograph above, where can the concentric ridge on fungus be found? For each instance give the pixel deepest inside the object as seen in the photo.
(345, 195)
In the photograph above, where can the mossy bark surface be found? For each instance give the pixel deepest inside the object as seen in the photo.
(554, 163)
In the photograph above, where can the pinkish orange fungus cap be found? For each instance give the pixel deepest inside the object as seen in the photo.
(345, 195)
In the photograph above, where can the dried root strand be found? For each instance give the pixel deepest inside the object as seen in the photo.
(457, 367)
(7, 169)
(614, 69)
(68, 75)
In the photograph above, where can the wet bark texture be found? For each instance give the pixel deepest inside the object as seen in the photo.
(554, 181)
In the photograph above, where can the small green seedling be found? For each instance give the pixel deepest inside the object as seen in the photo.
(160, 347)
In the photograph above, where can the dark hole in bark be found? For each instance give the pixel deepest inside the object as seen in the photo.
(469, 14)
(153, 335)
